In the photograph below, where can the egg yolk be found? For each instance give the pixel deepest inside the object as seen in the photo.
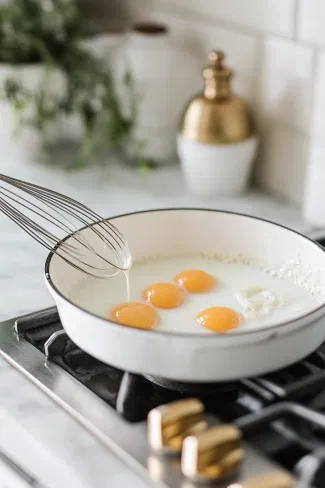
(135, 314)
(219, 319)
(164, 295)
(195, 280)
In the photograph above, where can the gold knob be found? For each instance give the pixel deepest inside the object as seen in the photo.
(169, 424)
(216, 57)
(213, 454)
(278, 479)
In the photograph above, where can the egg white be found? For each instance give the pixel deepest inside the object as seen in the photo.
(100, 296)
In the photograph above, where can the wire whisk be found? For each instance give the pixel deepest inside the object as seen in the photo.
(65, 227)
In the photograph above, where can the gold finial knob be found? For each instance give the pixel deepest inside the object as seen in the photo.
(217, 57)
(217, 77)
(213, 454)
(169, 424)
(278, 479)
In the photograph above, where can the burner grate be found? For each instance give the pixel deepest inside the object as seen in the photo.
(133, 396)
(296, 382)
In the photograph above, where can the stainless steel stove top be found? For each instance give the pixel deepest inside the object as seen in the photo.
(127, 440)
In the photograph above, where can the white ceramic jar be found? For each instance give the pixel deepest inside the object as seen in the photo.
(24, 144)
(210, 170)
(217, 141)
(161, 87)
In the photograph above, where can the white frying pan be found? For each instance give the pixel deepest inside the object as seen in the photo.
(197, 358)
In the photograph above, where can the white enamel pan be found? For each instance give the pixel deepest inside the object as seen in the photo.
(201, 357)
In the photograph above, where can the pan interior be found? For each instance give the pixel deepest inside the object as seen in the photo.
(220, 235)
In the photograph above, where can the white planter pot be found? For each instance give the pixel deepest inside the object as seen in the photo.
(165, 76)
(106, 45)
(25, 145)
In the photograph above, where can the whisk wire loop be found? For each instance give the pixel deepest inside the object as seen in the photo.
(53, 219)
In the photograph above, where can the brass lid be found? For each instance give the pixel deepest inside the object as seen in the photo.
(217, 77)
(217, 116)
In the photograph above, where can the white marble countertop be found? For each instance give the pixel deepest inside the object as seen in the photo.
(110, 191)
(49, 445)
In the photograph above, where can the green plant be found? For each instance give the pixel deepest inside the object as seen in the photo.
(51, 32)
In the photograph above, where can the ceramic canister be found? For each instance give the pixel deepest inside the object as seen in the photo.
(161, 88)
(217, 141)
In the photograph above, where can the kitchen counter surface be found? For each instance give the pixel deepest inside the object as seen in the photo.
(111, 191)
(48, 446)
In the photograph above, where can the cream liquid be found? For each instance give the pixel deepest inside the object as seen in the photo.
(291, 301)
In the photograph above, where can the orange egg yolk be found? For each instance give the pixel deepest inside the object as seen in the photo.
(135, 314)
(195, 280)
(164, 295)
(219, 319)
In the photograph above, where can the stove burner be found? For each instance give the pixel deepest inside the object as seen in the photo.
(193, 388)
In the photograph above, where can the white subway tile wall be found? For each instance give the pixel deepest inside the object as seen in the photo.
(275, 16)
(282, 166)
(311, 21)
(286, 82)
(241, 49)
(318, 121)
(277, 49)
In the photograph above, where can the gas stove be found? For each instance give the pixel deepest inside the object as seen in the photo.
(280, 416)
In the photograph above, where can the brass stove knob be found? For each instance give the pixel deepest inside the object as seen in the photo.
(169, 424)
(213, 454)
(277, 479)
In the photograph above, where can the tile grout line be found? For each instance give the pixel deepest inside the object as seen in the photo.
(314, 77)
(256, 88)
(258, 63)
(287, 126)
(188, 14)
(230, 26)
(296, 13)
